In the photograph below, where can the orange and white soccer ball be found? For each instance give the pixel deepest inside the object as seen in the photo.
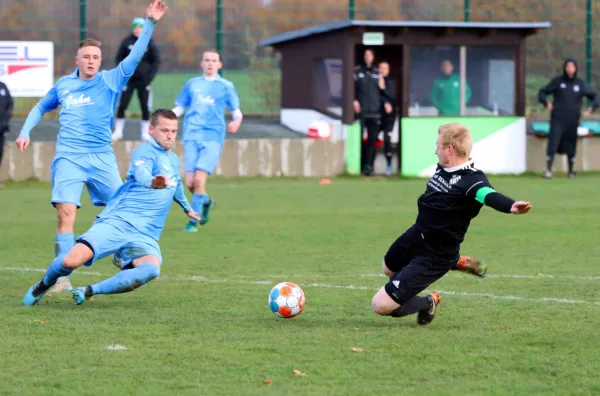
(286, 300)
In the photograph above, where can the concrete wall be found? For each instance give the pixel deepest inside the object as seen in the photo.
(255, 157)
(588, 155)
(274, 157)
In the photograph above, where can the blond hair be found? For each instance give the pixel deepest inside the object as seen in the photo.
(458, 136)
(90, 43)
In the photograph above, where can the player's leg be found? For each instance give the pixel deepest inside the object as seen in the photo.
(387, 126)
(554, 138)
(60, 267)
(102, 177)
(98, 242)
(103, 181)
(208, 159)
(124, 100)
(143, 93)
(471, 265)
(191, 153)
(68, 177)
(401, 252)
(571, 147)
(143, 261)
(398, 298)
(372, 125)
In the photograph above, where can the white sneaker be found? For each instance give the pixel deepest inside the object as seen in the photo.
(61, 284)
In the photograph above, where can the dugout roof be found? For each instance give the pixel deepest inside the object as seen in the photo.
(344, 40)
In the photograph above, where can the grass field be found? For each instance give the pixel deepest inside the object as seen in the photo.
(205, 328)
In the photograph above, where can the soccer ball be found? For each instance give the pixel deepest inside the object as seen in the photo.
(286, 300)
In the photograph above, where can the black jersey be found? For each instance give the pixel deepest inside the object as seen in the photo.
(447, 207)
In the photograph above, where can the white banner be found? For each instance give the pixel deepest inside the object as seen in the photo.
(27, 67)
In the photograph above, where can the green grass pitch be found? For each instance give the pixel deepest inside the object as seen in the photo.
(204, 327)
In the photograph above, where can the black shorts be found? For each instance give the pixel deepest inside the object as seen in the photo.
(414, 265)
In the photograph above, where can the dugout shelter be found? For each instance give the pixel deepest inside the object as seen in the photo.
(486, 83)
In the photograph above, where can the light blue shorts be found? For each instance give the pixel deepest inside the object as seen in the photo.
(98, 171)
(201, 155)
(113, 236)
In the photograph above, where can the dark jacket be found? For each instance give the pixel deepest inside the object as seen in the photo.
(389, 96)
(148, 67)
(6, 108)
(366, 91)
(568, 94)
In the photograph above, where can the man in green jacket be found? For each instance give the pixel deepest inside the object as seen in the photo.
(445, 92)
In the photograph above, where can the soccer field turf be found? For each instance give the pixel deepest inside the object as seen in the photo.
(205, 327)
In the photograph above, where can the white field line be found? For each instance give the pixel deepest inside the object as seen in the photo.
(328, 286)
(514, 276)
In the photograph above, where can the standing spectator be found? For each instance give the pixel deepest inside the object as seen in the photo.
(140, 81)
(388, 112)
(445, 92)
(568, 91)
(367, 107)
(6, 111)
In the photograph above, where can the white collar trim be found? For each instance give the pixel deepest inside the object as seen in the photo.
(461, 166)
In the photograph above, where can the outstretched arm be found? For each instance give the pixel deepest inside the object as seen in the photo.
(182, 201)
(480, 189)
(495, 200)
(180, 198)
(117, 77)
(48, 103)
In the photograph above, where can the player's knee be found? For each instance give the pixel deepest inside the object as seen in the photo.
(386, 270)
(382, 303)
(71, 262)
(379, 307)
(199, 183)
(151, 270)
(189, 184)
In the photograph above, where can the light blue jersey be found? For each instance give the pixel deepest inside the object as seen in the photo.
(139, 205)
(87, 106)
(205, 100)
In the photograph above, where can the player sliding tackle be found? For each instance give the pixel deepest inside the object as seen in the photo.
(83, 152)
(430, 248)
(131, 223)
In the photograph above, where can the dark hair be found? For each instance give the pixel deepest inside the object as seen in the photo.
(90, 43)
(164, 113)
(213, 51)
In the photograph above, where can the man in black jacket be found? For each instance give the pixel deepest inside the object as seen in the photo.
(140, 81)
(568, 91)
(388, 112)
(6, 111)
(367, 107)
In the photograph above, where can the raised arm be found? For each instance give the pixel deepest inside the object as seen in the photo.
(117, 77)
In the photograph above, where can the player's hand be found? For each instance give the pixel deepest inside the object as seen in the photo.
(193, 215)
(22, 143)
(234, 125)
(381, 82)
(356, 107)
(159, 182)
(156, 10)
(388, 108)
(520, 207)
(549, 106)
